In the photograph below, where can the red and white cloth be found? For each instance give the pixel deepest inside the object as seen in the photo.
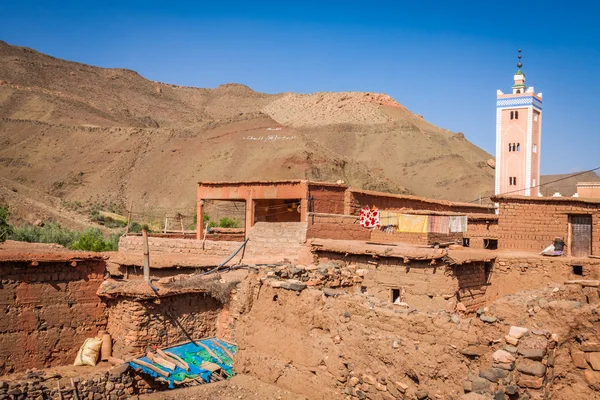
(369, 218)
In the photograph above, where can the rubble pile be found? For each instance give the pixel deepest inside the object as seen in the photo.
(522, 369)
(330, 275)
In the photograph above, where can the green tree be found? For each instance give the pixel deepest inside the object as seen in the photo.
(5, 229)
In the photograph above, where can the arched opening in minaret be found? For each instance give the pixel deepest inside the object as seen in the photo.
(516, 115)
(512, 115)
(518, 146)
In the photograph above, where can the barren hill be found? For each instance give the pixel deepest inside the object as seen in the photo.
(98, 135)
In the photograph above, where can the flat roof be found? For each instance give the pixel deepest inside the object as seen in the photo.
(13, 251)
(514, 198)
(267, 182)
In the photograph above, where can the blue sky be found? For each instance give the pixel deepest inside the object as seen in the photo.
(441, 59)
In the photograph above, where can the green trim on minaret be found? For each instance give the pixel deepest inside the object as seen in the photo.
(519, 72)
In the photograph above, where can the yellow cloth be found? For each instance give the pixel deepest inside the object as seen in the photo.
(413, 223)
(388, 218)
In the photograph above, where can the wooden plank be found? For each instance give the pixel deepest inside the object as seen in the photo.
(209, 366)
(151, 367)
(174, 359)
(156, 359)
(209, 351)
(225, 349)
(583, 282)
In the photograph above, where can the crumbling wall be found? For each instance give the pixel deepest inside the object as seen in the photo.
(140, 324)
(276, 240)
(134, 244)
(425, 238)
(532, 225)
(336, 226)
(48, 312)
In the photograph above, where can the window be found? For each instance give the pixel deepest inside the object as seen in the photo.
(534, 148)
(516, 115)
(510, 180)
(518, 146)
(490, 244)
(577, 270)
(515, 180)
(396, 296)
(512, 115)
(535, 117)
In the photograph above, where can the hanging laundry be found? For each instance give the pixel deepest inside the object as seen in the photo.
(458, 223)
(413, 223)
(388, 218)
(369, 218)
(439, 224)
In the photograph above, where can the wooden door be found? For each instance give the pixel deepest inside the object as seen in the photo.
(581, 235)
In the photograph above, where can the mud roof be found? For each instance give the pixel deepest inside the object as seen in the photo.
(267, 182)
(11, 251)
(580, 200)
(421, 199)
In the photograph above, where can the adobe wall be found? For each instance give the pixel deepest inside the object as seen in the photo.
(422, 285)
(187, 246)
(533, 224)
(356, 200)
(48, 312)
(276, 240)
(514, 274)
(327, 199)
(480, 229)
(414, 237)
(139, 324)
(336, 226)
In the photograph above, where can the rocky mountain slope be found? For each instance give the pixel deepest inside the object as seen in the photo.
(95, 135)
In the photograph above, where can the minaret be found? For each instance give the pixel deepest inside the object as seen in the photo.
(518, 138)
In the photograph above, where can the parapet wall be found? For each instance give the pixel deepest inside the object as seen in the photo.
(48, 311)
(135, 244)
(276, 240)
(336, 226)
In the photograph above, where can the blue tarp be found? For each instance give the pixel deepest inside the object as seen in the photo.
(192, 354)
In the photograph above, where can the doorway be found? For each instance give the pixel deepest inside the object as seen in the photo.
(581, 235)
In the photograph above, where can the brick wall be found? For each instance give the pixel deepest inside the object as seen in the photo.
(336, 226)
(47, 312)
(185, 246)
(276, 240)
(480, 229)
(533, 224)
(472, 284)
(139, 324)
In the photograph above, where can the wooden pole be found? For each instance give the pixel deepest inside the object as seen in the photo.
(225, 349)
(166, 224)
(212, 353)
(146, 256)
(60, 396)
(129, 218)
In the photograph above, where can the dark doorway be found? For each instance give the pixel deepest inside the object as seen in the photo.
(490, 244)
(581, 235)
(396, 296)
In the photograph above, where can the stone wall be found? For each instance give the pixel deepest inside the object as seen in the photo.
(139, 324)
(336, 226)
(119, 383)
(276, 240)
(532, 224)
(48, 311)
(185, 246)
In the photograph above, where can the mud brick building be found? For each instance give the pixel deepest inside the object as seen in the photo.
(532, 223)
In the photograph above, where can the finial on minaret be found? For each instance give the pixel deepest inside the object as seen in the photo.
(519, 64)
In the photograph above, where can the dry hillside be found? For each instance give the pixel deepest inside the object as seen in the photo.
(95, 135)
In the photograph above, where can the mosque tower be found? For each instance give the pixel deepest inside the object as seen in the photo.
(518, 138)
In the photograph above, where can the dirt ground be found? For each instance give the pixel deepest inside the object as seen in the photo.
(238, 387)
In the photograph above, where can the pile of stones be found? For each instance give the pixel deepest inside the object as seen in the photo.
(330, 274)
(522, 369)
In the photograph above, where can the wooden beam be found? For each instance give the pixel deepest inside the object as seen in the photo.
(151, 367)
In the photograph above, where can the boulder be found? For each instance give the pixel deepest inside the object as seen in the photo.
(594, 360)
(511, 340)
(530, 382)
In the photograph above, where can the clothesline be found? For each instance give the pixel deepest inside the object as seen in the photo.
(390, 221)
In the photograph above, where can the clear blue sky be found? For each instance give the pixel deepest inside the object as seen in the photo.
(441, 59)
